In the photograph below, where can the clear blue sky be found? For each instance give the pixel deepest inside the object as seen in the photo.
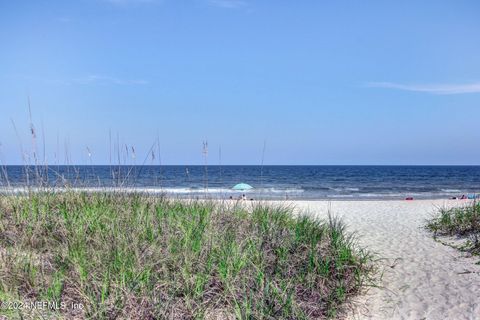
(322, 82)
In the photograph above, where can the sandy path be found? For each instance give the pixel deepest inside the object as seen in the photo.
(423, 278)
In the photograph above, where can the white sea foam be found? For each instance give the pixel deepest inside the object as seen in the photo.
(151, 190)
(345, 189)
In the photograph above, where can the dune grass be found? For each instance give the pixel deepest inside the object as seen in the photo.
(130, 256)
(463, 222)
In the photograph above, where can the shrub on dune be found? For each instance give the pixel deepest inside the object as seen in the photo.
(141, 257)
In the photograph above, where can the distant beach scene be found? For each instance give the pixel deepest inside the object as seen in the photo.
(267, 182)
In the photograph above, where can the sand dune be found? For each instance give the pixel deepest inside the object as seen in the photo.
(423, 279)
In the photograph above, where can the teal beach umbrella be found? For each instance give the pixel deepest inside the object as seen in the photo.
(242, 187)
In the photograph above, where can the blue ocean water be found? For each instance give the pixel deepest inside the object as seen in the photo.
(268, 182)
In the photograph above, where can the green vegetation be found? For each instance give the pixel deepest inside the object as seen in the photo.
(463, 222)
(139, 257)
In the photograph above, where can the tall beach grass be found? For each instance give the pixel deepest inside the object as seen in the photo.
(462, 222)
(132, 256)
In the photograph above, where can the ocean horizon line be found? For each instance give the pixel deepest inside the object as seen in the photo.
(240, 165)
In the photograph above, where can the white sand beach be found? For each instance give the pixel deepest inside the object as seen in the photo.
(423, 279)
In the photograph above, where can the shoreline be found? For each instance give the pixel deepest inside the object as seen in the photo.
(236, 195)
